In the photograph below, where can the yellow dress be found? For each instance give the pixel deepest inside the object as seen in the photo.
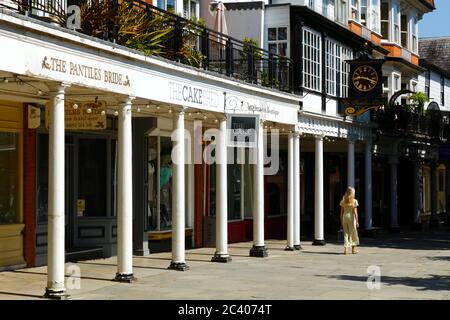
(349, 225)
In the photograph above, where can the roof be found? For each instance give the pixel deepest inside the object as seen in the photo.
(436, 51)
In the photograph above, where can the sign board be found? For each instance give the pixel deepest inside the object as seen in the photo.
(242, 130)
(86, 116)
(365, 89)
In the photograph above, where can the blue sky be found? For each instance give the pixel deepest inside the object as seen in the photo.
(437, 23)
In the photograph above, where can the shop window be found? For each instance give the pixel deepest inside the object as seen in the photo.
(234, 191)
(92, 184)
(9, 160)
(277, 188)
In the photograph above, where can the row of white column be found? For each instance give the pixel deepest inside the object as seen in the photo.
(56, 255)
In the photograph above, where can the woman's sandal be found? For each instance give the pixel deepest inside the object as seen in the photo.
(345, 251)
(354, 251)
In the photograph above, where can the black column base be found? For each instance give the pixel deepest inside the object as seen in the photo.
(318, 243)
(125, 278)
(417, 226)
(434, 223)
(258, 251)
(394, 230)
(298, 247)
(289, 248)
(56, 294)
(178, 266)
(221, 258)
(368, 233)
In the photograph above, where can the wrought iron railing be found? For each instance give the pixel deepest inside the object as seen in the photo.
(161, 33)
(403, 120)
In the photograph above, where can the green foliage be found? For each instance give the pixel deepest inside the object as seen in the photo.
(251, 47)
(419, 98)
(143, 31)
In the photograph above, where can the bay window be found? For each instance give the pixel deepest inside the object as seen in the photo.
(342, 11)
(414, 46)
(312, 60)
(363, 14)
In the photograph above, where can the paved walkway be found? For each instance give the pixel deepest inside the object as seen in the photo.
(412, 266)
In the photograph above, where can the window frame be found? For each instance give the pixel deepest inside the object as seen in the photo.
(278, 41)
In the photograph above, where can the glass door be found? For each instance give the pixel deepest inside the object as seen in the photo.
(159, 173)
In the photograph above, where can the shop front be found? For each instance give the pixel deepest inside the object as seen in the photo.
(11, 182)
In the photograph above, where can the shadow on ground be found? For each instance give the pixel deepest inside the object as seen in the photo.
(433, 283)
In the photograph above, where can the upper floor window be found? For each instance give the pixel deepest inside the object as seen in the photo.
(168, 5)
(363, 14)
(396, 20)
(328, 8)
(355, 10)
(278, 40)
(427, 82)
(442, 90)
(342, 11)
(312, 60)
(375, 15)
(404, 30)
(189, 8)
(385, 20)
(414, 32)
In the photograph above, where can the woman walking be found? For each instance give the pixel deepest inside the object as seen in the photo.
(349, 220)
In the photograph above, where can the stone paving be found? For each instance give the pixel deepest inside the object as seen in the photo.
(412, 266)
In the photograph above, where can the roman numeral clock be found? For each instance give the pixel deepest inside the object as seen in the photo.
(365, 86)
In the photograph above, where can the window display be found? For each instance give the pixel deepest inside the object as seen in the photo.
(9, 181)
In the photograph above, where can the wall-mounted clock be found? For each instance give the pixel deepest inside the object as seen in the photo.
(365, 78)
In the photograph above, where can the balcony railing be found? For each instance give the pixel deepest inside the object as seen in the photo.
(152, 31)
(405, 121)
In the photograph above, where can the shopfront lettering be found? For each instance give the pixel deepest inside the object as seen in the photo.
(186, 93)
(84, 71)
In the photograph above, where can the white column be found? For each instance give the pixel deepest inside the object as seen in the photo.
(368, 178)
(221, 254)
(124, 194)
(291, 195)
(56, 195)
(434, 219)
(178, 200)
(318, 194)
(393, 162)
(259, 249)
(351, 163)
(297, 245)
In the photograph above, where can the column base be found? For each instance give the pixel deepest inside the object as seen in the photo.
(417, 226)
(394, 229)
(297, 247)
(178, 266)
(56, 294)
(368, 233)
(289, 248)
(125, 278)
(318, 243)
(258, 251)
(434, 223)
(221, 258)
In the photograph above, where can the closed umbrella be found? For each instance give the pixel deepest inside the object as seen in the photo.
(220, 23)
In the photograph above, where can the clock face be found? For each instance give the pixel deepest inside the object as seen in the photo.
(365, 78)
